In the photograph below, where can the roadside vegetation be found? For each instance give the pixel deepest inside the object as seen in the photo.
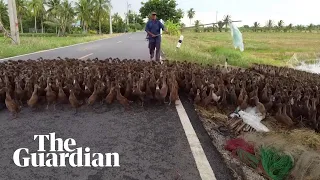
(64, 17)
(273, 48)
(31, 44)
(273, 43)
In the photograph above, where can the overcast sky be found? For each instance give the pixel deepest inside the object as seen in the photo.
(290, 11)
(249, 11)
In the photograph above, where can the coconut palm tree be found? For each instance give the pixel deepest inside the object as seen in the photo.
(36, 6)
(64, 17)
(310, 27)
(256, 25)
(101, 7)
(226, 20)
(191, 14)
(280, 25)
(21, 11)
(269, 24)
(84, 10)
(3, 11)
(53, 6)
(43, 14)
(300, 27)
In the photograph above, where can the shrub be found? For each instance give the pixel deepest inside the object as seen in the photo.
(173, 28)
(92, 32)
(197, 26)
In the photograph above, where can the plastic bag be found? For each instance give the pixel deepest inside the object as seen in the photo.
(237, 37)
(254, 120)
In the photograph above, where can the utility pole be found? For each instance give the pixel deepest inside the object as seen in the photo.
(216, 16)
(14, 27)
(110, 21)
(128, 5)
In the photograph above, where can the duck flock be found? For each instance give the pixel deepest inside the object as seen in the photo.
(291, 96)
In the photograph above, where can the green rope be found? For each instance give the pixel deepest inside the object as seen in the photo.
(248, 158)
(276, 165)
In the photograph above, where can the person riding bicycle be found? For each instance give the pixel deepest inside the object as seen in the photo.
(153, 29)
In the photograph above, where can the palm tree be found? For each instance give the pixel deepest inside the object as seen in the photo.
(290, 27)
(3, 10)
(310, 27)
(21, 10)
(191, 14)
(43, 14)
(269, 24)
(64, 17)
(54, 6)
(84, 10)
(280, 25)
(300, 27)
(36, 7)
(101, 7)
(226, 20)
(256, 25)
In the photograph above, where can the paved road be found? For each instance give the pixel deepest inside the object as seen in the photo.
(131, 45)
(151, 141)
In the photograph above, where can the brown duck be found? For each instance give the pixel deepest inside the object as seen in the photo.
(197, 99)
(32, 102)
(11, 105)
(164, 89)
(111, 95)
(50, 96)
(92, 99)
(120, 98)
(75, 103)
(260, 107)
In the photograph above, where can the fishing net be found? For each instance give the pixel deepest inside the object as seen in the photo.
(302, 144)
(276, 165)
(248, 158)
(307, 167)
(234, 144)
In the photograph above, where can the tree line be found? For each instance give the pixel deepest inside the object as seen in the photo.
(63, 16)
(280, 26)
(270, 25)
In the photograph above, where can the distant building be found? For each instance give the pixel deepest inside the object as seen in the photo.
(76, 24)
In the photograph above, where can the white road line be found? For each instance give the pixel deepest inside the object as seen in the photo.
(85, 56)
(56, 48)
(201, 160)
(119, 41)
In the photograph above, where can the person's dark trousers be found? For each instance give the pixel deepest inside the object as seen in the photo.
(152, 46)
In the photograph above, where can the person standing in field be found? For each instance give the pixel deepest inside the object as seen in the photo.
(153, 29)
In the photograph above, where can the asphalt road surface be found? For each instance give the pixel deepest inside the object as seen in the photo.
(130, 46)
(151, 141)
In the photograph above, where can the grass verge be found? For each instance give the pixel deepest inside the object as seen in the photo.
(264, 48)
(34, 44)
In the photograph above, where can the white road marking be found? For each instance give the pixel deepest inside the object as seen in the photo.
(119, 41)
(201, 160)
(85, 56)
(56, 48)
